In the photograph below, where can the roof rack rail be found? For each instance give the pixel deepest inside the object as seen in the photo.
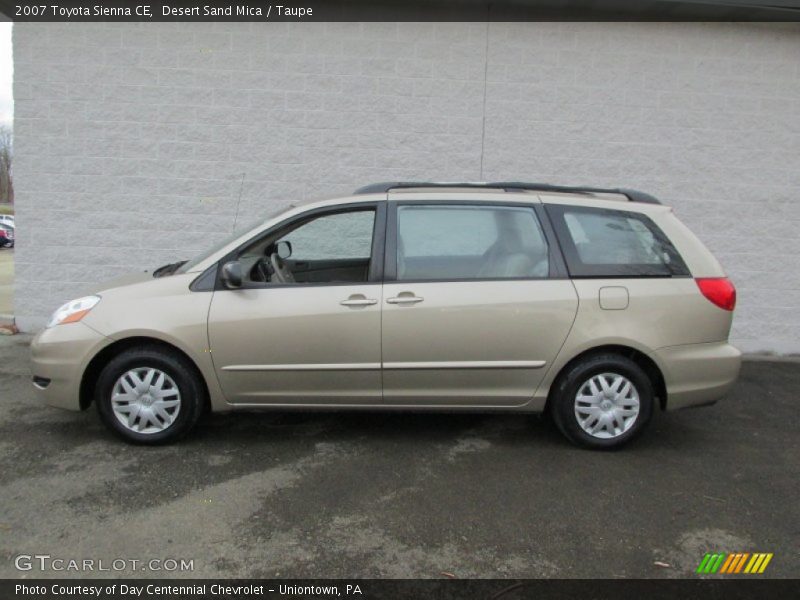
(510, 186)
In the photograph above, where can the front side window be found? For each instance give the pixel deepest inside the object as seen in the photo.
(334, 237)
(469, 242)
(614, 243)
(334, 247)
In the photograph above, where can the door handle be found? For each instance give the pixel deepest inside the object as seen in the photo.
(358, 302)
(404, 300)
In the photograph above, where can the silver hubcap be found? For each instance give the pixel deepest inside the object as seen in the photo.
(607, 405)
(146, 400)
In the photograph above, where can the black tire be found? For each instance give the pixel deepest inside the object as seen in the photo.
(178, 368)
(562, 400)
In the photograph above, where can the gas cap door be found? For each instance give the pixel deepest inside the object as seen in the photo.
(614, 297)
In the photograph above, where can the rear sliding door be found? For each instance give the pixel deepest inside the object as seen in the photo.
(475, 304)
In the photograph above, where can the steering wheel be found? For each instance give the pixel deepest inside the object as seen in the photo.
(280, 273)
(262, 270)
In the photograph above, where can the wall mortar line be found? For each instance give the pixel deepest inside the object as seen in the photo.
(485, 92)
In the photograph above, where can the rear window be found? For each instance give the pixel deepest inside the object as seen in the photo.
(599, 242)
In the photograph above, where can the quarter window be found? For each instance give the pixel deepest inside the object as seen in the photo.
(469, 242)
(613, 243)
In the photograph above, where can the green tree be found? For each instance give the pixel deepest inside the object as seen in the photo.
(6, 148)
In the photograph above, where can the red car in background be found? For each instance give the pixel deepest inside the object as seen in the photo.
(6, 236)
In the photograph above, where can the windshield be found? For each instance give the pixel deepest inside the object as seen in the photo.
(188, 266)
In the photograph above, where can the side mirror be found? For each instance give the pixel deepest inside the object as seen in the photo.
(284, 249)
(232, 274)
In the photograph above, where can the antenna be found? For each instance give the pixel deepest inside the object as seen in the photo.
(238, 202)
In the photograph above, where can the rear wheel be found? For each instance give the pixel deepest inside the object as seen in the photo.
(603, 401)
(148, 395)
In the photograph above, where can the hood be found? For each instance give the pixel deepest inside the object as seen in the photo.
(125, 280)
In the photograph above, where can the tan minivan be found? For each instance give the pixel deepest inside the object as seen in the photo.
(596, 305)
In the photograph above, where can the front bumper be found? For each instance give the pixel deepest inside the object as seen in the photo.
(698, 374)
(59, 356)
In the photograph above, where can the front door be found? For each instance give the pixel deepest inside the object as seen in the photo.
(314, 340)
(475, 314)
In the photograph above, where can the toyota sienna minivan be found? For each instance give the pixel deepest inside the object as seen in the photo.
(597, 306)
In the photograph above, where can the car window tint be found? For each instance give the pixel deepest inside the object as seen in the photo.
(469, 242)
(337, 236)
(610, 243)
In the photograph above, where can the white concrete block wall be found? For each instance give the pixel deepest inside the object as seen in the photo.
(705, 116)
(133, 141)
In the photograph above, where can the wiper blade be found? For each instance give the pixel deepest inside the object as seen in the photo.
(157, 272)
(168, 269)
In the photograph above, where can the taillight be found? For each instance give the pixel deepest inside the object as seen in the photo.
(718, 290)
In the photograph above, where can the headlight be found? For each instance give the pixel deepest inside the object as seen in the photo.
(73, 311)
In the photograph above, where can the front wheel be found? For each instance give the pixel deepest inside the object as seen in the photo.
(149, 395)
(603, 401)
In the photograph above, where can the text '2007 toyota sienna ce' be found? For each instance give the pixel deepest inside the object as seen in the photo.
(596, 305)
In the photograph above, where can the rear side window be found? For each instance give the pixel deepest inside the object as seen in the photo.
(599, 242)
(469, 242)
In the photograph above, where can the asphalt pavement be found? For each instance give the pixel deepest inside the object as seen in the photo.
(403, 495)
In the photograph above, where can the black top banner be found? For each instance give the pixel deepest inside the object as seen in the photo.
(401, 10)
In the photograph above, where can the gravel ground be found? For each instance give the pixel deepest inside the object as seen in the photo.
(404, 495)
